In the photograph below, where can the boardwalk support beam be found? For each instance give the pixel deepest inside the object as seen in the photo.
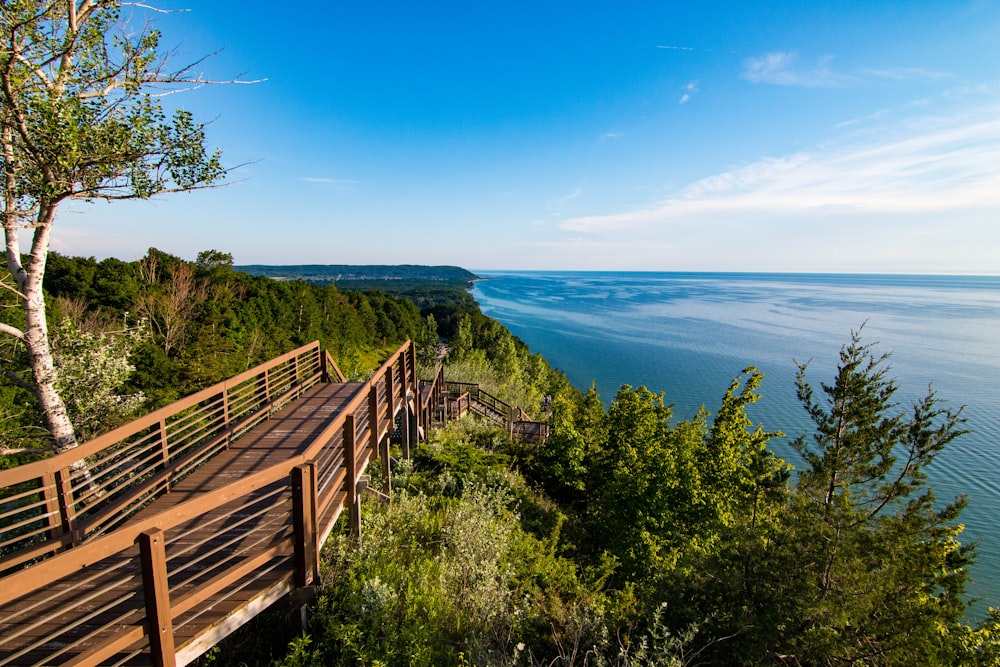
(304, 516)
(351, 479)
(152, 555)
(383, 455)
(408, 425)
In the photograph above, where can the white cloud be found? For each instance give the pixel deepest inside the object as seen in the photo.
(691, 88)
(904, 73)
(555, 205)
(675, 48)
(586, 243)
(941, 166)
(573, 195)
(781, 68)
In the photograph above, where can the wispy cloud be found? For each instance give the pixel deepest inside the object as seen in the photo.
(573, 195)
(781, 68)
(589, 243)
(904, 73)
(935, 165)
(690, 89)
(557, 203)
(613, 135)
(675, 48)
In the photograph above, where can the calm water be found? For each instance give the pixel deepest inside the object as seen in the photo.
(689, 334)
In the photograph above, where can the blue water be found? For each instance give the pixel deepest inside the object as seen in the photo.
(690, 334)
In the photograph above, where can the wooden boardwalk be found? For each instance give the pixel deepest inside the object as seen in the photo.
(186, 527)
(187, 523)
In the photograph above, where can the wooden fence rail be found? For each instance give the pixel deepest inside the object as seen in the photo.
(63, 500)
(143, 587)
(123, 551)
(442, 400)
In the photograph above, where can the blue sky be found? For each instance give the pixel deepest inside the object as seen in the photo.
(747, 136)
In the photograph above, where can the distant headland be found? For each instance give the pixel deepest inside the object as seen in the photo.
(364, 273)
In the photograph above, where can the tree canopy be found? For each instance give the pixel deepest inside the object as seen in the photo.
(81, 117)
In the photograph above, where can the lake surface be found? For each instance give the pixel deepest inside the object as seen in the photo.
(690, 334)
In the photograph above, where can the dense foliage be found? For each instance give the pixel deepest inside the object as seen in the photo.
(631, 539)
(441, 292)
(161, 328)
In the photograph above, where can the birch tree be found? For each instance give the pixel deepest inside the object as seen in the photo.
(81, 118)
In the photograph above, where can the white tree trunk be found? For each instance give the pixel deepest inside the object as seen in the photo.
(36, 334)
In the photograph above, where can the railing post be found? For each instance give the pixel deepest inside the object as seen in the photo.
(267, 390)
(225, 415)
(412, 367)
(407, 425)
(304, 517)
(383, 455)
(67, 514)
(390, 398)
(373, 419)
(164, 450)
(153, 557)
(50, 495)
(351, 479)
(295, 374)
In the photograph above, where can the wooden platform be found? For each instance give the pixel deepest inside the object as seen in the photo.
(152, 542)
(103, 601)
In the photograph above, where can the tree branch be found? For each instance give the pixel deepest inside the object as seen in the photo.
(7, 287)
(13, 377)
(10, 451)
(158, 10)
(13, 331)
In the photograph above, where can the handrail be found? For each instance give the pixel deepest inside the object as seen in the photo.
(331, 369)
(64, 499)
(432, 395)
(266, 526)
(443, 400)
(349, 442)
(27, 580)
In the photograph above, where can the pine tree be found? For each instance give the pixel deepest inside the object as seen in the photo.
(874, 573)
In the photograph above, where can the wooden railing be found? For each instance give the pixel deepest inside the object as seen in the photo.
(444, 400)
(433, 395)
(156, 573)
(63, 500)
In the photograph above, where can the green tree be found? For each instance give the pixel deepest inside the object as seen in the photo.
(80, 119)
(92, 369)
(723, 585)
(461, 343)
(579, 432)
(880, 574)
(647, 483)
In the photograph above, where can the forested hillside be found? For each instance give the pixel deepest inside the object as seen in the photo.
(440, 291)
(130, 337)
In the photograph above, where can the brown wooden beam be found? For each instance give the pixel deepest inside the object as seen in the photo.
(156, 590)
(304, 516)
(351, 480)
